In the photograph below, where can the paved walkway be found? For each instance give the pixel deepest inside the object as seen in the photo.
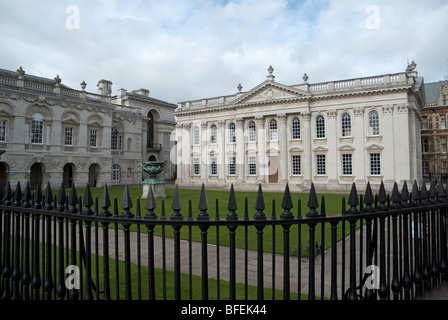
(240, 262)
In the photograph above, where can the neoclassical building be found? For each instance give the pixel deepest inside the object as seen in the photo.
(332, 134)
(52, 133)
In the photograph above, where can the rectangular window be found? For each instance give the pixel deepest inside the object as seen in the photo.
(444, 167)
(232, 166)
(296, 168)
(347, 167)
(196, 167)
(68, 136)
(3, 126)
(443, 122)
(252, 166)
(320, 164)
(252, 132)
(37, 131)
(93, 138)
(443, 144)
(425, 145)
(425, 168)
(424, 123)
(213, 167)
(375, 164)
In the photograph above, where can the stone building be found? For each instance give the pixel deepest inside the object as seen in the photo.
(435, 131)
(52, 133)
(332, 134)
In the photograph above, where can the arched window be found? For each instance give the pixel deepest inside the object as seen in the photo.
(196, 136)
(116, 172)
(296, 129)
(273, 134)
(213, 138)
(252, 131)
(37, 128)
(374, 123)
(232, 138)
(346, 125)
(150, 131)
(320, 127)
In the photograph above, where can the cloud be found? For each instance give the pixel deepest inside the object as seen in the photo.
(183, 50)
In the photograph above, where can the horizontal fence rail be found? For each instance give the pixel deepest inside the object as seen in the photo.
(70, 248)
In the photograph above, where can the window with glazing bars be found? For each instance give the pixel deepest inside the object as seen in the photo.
(232, 166)
(213, 167)
(375, 164)
(252, 166)
(252, 132)
(273, 134)
(347, 166)
(346, 125)
(296, 129)
(296, 169)
(320, 164)
(320, 127)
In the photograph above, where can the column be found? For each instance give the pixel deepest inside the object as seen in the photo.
(388, 165)
(261, 150)
(307, 164)
(332, 157)
(283, 146)
(240, 150)
(186, 150)
(179, 153)
(222, 151)
(402, 133)
(204, 161)
(359, 154)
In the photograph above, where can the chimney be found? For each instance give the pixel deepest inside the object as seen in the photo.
(142, 91)
(104, 87)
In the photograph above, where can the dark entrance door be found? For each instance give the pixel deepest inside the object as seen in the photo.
(36, 175)
(94, 173)
(68, 175)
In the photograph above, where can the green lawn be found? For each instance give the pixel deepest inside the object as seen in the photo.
(333, 203)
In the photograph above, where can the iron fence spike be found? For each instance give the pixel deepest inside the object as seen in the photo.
(232, 206)
(8, 195)
(105, 199)
(126, 203)
(88, 199)
(176, 205)
(415, 192)
(259, 204)
(18, 193)
(322, 207)
(150, 201)
(405, 192)
(27, 194)
(313, 203)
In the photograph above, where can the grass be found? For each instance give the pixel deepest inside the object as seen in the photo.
(164, 282)
(217, 203)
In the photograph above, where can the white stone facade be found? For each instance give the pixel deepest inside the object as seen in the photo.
(332, 134)
(52, 133)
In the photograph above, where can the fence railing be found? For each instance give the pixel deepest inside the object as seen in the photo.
(70, 247)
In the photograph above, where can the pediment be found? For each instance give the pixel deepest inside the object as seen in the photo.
(271, 91)
(346, 148)
(320, 149)
(374, 147)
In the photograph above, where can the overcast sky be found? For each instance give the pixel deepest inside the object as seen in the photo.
(183, 50)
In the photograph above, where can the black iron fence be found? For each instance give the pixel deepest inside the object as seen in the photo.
(70, 247)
